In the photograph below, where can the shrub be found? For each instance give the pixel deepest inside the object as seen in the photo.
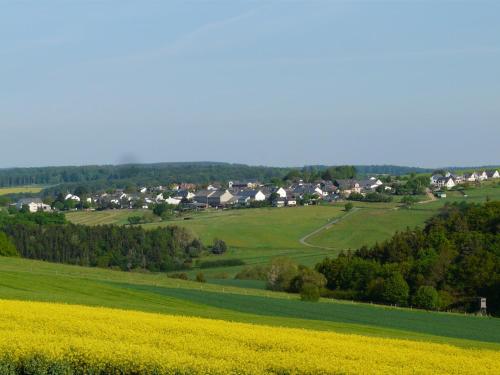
(396, 290)
(7, 248)
(257, 272)
(309, 292)
(179, 275)
(221, 263)
(200, 277)
(134, 220)
(281, 273)
(219, 247)
(306, 276)
(426, 298)
(348, 206)
(445, 299)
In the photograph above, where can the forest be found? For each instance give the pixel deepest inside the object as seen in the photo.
(49, 237)
(163, 173)
(447, 265)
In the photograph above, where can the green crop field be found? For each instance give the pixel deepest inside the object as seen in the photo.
(22, 279)
(21, 189)
(258, 235)
(118, 217)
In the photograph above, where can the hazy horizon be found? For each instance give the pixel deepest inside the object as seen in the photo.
(493, 165)
(259, 83)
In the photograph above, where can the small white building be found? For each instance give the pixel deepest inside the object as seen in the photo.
(482, 176)
(281, 192)
(173, 201)
(75, 198)
(471, 177)
(33, 204)
(445, 182)
(493, 174)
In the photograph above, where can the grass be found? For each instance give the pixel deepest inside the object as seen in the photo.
(21, 189)
(118, 217)
(369, 225)
(22, 279)
(258, 235)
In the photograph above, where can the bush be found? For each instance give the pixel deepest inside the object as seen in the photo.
(445, 299)
(221, 263)
(281, 273)
(257, 272)
(179, 275)
(200, 277)
(309, 292)
(219, 247)
(377, 197)
(355, 197)
(306, 276)
(426, 298)
(348, 206)
(396, 290)
(134, 220)
(7, 248)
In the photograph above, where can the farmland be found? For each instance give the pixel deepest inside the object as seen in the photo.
(51, 334)
(20, 189)
(40, 281)
(257, 235)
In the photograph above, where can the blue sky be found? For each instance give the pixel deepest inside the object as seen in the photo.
(259, 82)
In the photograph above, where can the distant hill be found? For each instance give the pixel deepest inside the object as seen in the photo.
(163, 173)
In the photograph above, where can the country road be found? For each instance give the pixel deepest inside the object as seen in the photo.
(303, 240)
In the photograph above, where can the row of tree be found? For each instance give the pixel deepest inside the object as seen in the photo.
(49, 237)
(449, 264)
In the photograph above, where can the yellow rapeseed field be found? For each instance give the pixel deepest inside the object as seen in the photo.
(89, 340)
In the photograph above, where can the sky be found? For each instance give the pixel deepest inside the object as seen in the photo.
(279, 83)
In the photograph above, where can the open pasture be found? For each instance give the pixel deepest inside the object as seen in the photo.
(22, 279)
(21, 189)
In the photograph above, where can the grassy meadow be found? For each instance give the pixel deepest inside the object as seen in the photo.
(118, 217)
(21, 189)
(27, 280)
(258, 235)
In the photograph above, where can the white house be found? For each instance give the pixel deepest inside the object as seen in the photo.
(246, 196)
(181, 194)
(493, 174)
(471, 177)
(72, 197)
(172, 201)
(281, 192)
(482, 176)
(446, 182)
(33, 204)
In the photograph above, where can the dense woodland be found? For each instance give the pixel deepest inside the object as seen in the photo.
(49, 237)
(447, 265)
(163, 173)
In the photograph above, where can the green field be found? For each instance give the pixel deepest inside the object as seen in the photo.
(258, 235)
(22, 279)
(21, 189)
(118, 217)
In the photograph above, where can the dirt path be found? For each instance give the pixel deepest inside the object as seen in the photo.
(328, 225)
(431, 197)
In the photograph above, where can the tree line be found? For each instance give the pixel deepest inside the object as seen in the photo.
(448, 264)
(118, 176)
(49, 237)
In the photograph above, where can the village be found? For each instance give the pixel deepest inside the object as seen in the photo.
(249, 193)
